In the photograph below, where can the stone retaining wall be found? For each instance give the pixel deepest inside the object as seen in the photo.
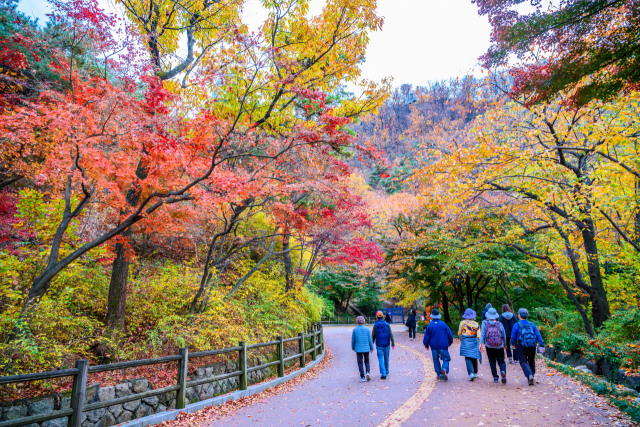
(601, 367)
(117, 414)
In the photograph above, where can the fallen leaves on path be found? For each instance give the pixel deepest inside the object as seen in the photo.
(207, 415)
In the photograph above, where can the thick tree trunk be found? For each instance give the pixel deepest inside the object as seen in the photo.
(445, 308)
(467, 282)
(600, 311)
(117, 301)
(636, 216)
(288, 265)
(120, 270)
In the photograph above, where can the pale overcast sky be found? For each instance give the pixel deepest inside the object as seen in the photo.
(421, 40)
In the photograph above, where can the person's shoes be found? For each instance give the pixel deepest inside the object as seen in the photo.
(532, 381)
(510, 361)
(472, 377)
(368, 376)
(496, 380)
(443, 373)
(439, 376)
(503, 374)
(383, 378)
(363, 380)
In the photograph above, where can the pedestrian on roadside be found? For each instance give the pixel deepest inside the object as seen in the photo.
(411, 324)
(387, 318)
(484, 312)
(362, 344)
(494, 337)
(524, 337)
(383, 339)
(508, 320)
(438, 336)
(469, 333)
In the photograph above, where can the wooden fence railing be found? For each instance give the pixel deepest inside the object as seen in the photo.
(345, 320)
(82, 369)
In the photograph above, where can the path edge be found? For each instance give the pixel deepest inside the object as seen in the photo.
(216, 401)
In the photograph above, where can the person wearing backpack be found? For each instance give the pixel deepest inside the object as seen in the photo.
(383, 339)
(469, 333)
(411, 324)
(439, 337)
(494, 337)
(362, 344)
(508, 320)
(524, 337)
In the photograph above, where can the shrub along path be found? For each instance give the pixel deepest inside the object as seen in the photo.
(336, 397)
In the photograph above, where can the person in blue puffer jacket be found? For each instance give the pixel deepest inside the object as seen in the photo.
(362, 344)
(438, 336)
(383, 339)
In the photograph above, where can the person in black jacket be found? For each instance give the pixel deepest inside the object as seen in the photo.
(508, 320)
(387, 318)
(411, 324)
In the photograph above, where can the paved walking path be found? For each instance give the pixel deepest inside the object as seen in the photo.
(410, 397)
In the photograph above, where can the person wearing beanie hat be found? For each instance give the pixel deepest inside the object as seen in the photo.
(469, 333)
(383, 339)
(439, 337)
(362, 344)
(494, 337)
(524, 337)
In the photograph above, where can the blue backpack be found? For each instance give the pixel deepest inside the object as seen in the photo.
(527, 336)
(382, 334)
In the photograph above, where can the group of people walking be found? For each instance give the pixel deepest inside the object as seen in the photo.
(363, 340)
(496, 335)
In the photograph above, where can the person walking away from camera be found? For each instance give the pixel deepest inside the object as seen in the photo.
(439, 337)
(484, 312)
(469, 333)
(383, 339)
(387, 318)
(508, 320)
(411, 324)
(362, 344)
(524, 337)
(494, 337)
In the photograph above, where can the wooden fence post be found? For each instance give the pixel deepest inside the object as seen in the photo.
(322, 338)
(314, 343)
(78, 393)
(242, 359)
(181, 395)
(302, 355)
(281, 357)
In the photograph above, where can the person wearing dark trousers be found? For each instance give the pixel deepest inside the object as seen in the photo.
(362, 344)
(411, 324)
(439, 337)
(508, 319)
(382, 337)
(494, 338)
(524, 337)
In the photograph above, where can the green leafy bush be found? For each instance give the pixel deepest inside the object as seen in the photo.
(622, 327)
(421, 326)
